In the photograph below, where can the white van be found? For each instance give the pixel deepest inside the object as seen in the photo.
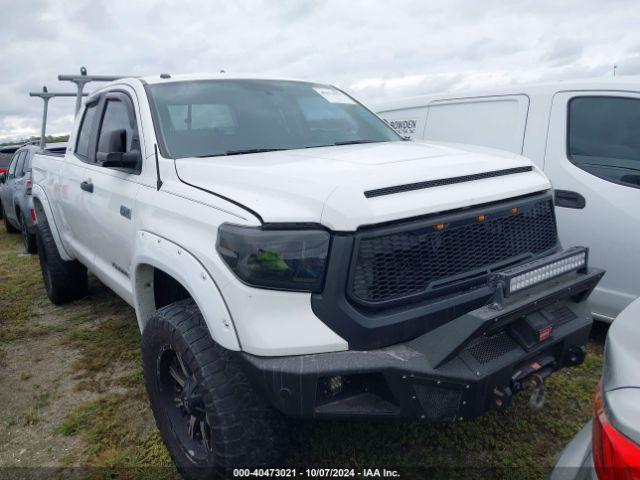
(585, 135)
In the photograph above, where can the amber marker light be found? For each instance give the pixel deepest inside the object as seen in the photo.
(440, 226)
(481, 218)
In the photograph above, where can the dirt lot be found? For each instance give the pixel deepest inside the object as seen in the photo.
(72, 400)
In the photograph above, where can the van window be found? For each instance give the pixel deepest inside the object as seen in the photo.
(604, 137)
(84, 135)
(492, 122)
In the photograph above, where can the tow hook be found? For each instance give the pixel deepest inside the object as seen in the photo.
(536, 383)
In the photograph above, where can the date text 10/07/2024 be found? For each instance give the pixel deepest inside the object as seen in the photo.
(315, 473)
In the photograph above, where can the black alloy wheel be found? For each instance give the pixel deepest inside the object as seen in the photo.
(181, 396)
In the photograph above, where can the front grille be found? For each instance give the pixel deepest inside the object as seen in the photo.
(416, 260)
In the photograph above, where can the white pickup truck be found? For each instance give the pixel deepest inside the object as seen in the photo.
(286, 252)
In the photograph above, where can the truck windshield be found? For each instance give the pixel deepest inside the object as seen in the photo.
(228, 117)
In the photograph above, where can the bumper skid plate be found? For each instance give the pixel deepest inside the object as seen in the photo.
(458, 371)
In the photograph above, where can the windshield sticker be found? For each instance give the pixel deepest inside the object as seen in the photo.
(333, 96)
(403, 127)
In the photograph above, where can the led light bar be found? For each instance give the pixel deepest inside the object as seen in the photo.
(530, 274)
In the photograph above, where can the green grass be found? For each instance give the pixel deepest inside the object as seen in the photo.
(113, 435)
(113, 341)
(20, 290)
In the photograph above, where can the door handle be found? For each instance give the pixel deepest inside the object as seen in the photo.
(569, 199)
(87, 186)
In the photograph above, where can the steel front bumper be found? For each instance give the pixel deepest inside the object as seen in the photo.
(460, 370)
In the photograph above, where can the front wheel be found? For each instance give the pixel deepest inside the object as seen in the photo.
(209, 416)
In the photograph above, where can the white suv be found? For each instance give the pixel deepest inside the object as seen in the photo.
(288, 253)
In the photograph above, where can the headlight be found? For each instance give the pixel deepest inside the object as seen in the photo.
(280, 259)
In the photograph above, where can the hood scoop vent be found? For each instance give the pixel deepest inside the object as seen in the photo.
(444, 181)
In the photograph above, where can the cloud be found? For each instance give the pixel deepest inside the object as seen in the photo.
(373, 49)
(564, 51)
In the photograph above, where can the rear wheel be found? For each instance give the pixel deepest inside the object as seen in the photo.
(28, 239)
(7, 225)
(210, 417)
(64, 280)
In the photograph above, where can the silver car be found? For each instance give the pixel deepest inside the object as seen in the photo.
(608, 447)
(16, 203)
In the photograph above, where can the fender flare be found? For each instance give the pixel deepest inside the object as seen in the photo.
(153, 251)
(40, 198)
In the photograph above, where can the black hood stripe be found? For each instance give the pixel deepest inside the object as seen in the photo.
(444, 181)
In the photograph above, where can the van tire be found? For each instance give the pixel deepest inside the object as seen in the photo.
(7, 224)
(240, 428)
(64, 281)
(28, 239)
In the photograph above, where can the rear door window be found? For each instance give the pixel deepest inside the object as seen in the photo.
(604, 138)
(86, 128)
(20, 165)
(14, 161)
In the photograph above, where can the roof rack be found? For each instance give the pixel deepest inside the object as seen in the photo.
(80, 81)
(84, 78)
(46, 95)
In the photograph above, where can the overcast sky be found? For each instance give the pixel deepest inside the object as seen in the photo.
(375, 49)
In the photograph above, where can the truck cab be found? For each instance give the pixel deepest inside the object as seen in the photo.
(289, 255)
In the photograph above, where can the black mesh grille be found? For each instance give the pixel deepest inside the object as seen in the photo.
(487, 349)
(405, 263)
(438, 404)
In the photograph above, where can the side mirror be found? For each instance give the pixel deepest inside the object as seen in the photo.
(129, 160)
(3, 177)
(112, 151)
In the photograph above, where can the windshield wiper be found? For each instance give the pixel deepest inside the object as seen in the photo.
(262, 150)
(240, 152)
(251, 150)
(355, 142)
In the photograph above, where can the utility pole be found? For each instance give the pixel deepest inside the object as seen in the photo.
(46, 95)
(614, 70)
(84, 78)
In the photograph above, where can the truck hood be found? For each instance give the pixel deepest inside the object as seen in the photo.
(327, 185)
